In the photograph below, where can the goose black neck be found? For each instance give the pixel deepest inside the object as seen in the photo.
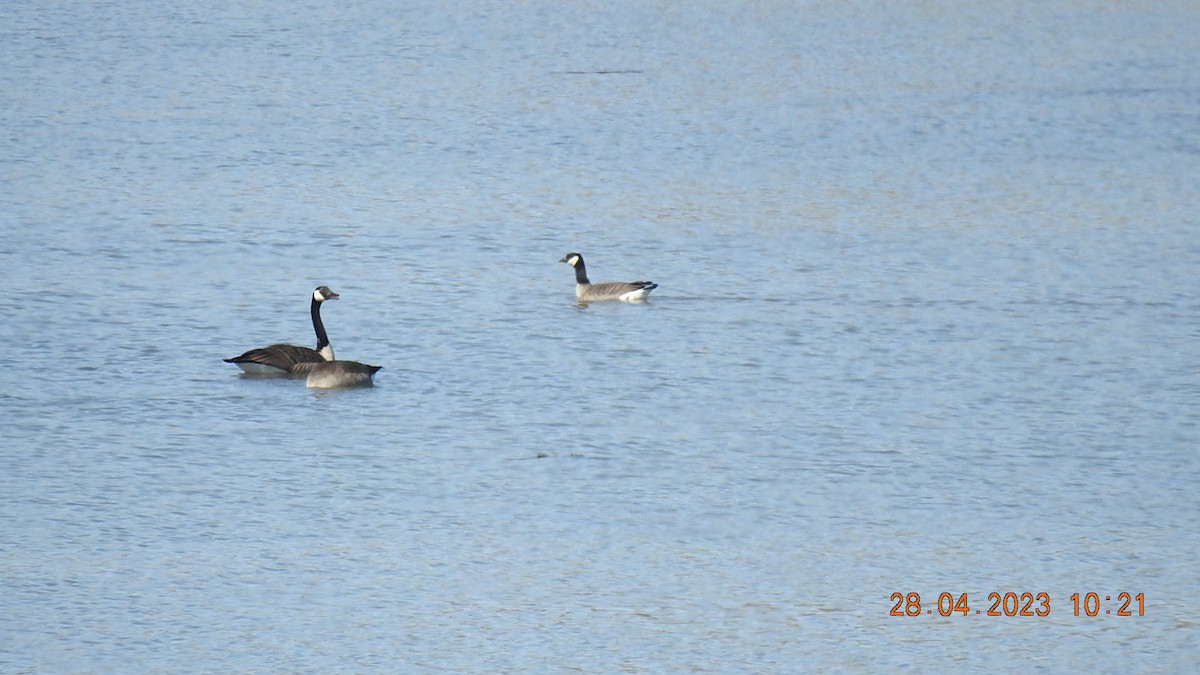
(318, 326)
(581, 273)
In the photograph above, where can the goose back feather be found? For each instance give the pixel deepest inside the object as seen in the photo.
(277, 359)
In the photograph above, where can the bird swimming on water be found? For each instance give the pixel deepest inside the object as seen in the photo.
(586, 291)
(286, 359)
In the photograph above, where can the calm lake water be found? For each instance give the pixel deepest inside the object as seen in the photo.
(927, 323)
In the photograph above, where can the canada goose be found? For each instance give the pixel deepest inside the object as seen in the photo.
(336, 374)
(284, 359)
(586, 291)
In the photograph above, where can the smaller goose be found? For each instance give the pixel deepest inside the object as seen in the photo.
(285, 359)
(338, 374)
(586, 291)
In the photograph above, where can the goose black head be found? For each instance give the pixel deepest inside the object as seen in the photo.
(572, 259)
(323, 293)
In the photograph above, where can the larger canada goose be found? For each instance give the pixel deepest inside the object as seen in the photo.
(336, 374)
(586, 291)
(285, 359)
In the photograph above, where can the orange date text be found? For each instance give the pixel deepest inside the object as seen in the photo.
(1017, 604)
